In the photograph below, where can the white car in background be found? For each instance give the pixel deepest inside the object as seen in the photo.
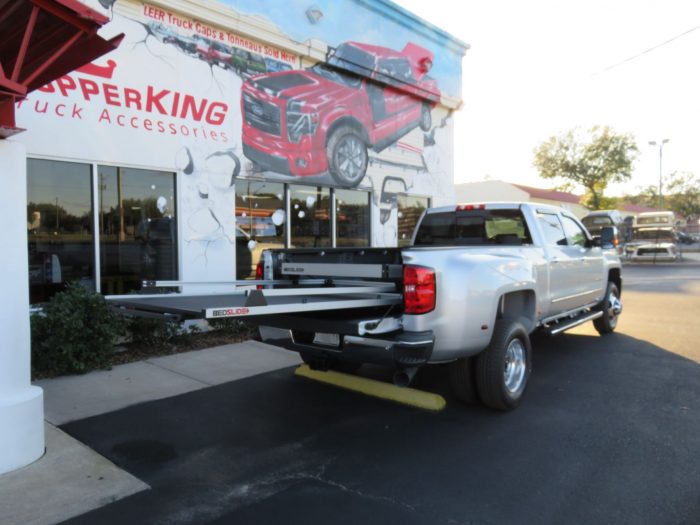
(652, 244)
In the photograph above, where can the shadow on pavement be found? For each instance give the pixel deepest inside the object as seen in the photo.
(607, 433)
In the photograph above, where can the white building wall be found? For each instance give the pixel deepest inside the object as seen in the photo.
(489, 191)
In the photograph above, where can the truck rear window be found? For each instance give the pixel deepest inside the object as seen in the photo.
(473, 227)
(589, 222)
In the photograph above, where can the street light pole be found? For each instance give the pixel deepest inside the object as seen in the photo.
(661, 156)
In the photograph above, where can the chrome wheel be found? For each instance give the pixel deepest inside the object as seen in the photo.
(514, 368)
(503, 368)
(350, 158)
(614, 308)
(611, 307)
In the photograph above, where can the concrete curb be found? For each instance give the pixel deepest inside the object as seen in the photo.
(69, 480)
(70, 398)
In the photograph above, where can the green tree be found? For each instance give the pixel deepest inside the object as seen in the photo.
(592, 159)
(683, 190)
(648, 196)
(681, 194)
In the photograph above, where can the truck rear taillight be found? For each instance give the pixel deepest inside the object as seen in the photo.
(418, 289)
(260, 273)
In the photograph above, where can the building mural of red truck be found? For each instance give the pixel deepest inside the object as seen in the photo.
(325, 118)
(222, 105)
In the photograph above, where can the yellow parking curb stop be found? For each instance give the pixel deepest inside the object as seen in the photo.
(374, 388)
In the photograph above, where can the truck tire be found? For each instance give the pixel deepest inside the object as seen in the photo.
(503, 369)
(347, 156)
(426, 119)
(462, 380)
(608, 323)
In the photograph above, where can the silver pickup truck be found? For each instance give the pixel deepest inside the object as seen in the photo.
(476, 282)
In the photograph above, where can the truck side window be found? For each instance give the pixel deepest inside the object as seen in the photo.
(574, 233)
(552, 229)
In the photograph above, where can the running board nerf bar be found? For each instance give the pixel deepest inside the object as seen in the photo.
(566, 325)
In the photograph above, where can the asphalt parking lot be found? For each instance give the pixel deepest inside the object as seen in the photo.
(609, 432)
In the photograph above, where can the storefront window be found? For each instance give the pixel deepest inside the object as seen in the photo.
(309, 216)
(260, 223)
(138, 230)
(352, 218)
(59, 224)
(410, 210)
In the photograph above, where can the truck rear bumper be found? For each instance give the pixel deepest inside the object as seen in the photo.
(402, 349)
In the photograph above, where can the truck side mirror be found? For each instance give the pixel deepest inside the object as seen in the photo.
(609, 238)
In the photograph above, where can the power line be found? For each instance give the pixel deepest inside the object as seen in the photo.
(654, 48)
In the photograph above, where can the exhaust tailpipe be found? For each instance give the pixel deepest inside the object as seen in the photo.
(404, 376)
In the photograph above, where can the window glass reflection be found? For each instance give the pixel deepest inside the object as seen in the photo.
(309, 216)
(352, 218)
(59, 224)
(552, 229)
(260, 223)
(410, 208)
(138, 229)
(575, 236)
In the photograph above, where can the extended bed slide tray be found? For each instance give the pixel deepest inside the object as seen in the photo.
(306, 295)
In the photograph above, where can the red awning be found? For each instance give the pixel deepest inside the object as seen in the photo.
(43, 40)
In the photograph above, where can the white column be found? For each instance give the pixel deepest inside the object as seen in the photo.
(21, 404)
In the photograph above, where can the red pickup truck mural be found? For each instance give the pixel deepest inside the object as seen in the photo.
(324, 119)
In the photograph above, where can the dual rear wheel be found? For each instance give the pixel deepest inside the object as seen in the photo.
(497, 376)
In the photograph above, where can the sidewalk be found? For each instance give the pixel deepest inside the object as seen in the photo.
(71, 479)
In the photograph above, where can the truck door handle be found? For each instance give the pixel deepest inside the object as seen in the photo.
(554, 260)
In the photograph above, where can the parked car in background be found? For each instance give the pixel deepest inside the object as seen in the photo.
(659, 219)
(652, 244)
(626, 230)
(685, 238)
(597, 220)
